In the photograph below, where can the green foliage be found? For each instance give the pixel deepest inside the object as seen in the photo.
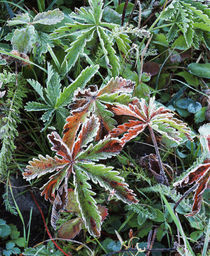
(12, 104)
(200, 70)
(86, 23)
(77, 161)
(31, 36)
(11, 237)
(191, 19)
(99, 119)
(53, 98)
(43, 250)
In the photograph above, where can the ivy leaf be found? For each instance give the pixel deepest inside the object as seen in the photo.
(72, 158)
(143, 115)
(200, 173)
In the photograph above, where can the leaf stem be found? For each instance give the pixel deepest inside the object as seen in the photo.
(158, 155)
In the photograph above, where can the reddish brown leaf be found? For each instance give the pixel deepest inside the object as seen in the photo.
(88, 131)
(103, 211)
(200, 175)
(121, 190)
(59, 203)
(43, 165)
(70, 128)
(59, 146)
(133, 129)
(118, 85)
(203, 183)
(144, 114)
(53, 184)
(70, 229)
(151, 68)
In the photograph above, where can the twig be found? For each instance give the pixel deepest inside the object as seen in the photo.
(146, 250)
(142, 56)
(158, 155)
(185, 195)
(124, 10)
(139, 21)
(151, 241)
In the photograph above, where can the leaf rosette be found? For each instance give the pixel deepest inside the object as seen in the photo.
(76, 154)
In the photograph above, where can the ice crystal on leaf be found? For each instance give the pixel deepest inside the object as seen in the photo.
(142, 115)
(76, 155)
(200, 173)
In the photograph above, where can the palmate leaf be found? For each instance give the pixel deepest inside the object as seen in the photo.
(98, 100)
(54, 99)
(184, 16)
(142, 115)
(200, 173)
(87, 22)
(75, 50)
(72, 158)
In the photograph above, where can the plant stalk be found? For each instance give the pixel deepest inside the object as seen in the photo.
(158, 155)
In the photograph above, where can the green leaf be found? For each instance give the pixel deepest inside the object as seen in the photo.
(200, 115)
(111, 245)
(189, 36)
(202, 26)
(180, 43)
(160, 39)
(67, 94)
(53, 85)
(20, 242)
(23, 39)
(96, 9)
(200, 69)
(116, 98)
(183, 103)
(102, 150)
(110, 54)
(36, 106)
(47, 115)
(37, 87)
(190, 79)
(5, 230)
(14, 232)
(19, 19)
(49, 17)
(87, 204)
(178, 224)
(75, 50)
(194, 107)
(10, 245)
(106, 116)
